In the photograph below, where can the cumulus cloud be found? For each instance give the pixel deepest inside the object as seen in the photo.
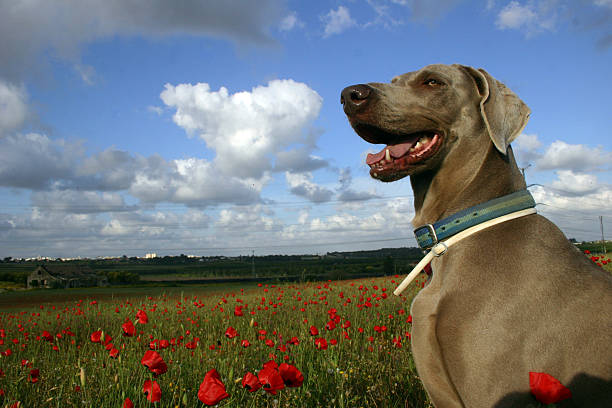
(245, 129)
(337, 21)
(515, 15)
(302, 185)
(34, 161)
(289, 22)
(298, 161)
(561, 155)
(572, 183)
(533, 17)
(13, 107)
(348, 194)
(31, 29)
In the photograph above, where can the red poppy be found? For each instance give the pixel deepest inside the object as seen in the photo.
(114, 353)
(250, 382)
(230, 333)
(142, 317)
(153, 361)
(346, 324)
(331, 325)
(294, 340)
(34, 375)
(128, 403)
(271, 364)
(269, 343)
(192, 344)
(96, 336)
(238, 311)
(47, 336)
(292, 377)
(321, 343)
(409, 319)
(271, 380)
(212, 390)
(314, 331)
(245, 343)
(547, 389)
(151, 390)
(128, 328)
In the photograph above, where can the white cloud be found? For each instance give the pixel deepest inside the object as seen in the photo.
(29, 29)
(302, 185)
(576, 214)
(35, 162)
(13, 107)
(245, 129)
(298, 161)
(289, 22)
(561, 155)
(575, 183)
(532, 17)
(337, 21)
(515, 16)
(603, 3)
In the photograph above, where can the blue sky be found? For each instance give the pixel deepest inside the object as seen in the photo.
(214, 127)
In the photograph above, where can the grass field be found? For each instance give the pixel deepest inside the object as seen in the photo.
(360, 356)
(350, 340)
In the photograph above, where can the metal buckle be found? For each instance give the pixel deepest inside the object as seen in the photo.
(432, 233)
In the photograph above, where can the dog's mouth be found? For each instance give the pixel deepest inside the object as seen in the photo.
(401, 154)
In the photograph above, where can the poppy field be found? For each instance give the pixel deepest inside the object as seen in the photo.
(327, 344)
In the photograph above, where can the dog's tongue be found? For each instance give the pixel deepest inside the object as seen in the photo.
(396, 151)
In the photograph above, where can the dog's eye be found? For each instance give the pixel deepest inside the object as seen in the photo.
(433, 82)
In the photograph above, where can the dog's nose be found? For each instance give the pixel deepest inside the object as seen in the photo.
(355, 97)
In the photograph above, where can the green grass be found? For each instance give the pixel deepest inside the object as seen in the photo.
(367, 369)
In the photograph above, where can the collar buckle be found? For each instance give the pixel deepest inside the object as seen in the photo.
(432, 233)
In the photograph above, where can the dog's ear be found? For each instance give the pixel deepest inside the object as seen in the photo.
(503, 113)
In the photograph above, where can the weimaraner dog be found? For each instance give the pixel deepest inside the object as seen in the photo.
(511, 299)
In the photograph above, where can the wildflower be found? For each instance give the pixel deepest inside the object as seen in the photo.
(114, 353)
(47, 336)
(128, 403)
(250, 382)
(321, 343)
(238, 311)
(271, 380)
(314, 331)
(152, 391)
(230, 333)
(128, 328)
(212, 390)
(292, 377)
(547, 389)
(245, 343)
(34, 375)
(142, 317)
(96, 336)
(153, 361)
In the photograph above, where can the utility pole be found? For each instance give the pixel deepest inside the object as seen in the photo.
(253, 264)
(603, 241)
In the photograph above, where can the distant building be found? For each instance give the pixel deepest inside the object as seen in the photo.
(151, 255)
(64, 276)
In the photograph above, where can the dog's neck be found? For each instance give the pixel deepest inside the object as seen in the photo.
(445, 191)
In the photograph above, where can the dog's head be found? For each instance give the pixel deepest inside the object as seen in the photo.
(422, 116)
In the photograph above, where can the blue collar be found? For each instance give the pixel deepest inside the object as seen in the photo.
(430, 234)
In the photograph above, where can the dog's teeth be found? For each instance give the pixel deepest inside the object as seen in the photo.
(418, 144)
(387, 155)
(424, 140)
(412, 149)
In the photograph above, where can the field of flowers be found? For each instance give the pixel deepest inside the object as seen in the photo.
(328, 344)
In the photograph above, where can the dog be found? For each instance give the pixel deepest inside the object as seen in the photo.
(514, 298)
